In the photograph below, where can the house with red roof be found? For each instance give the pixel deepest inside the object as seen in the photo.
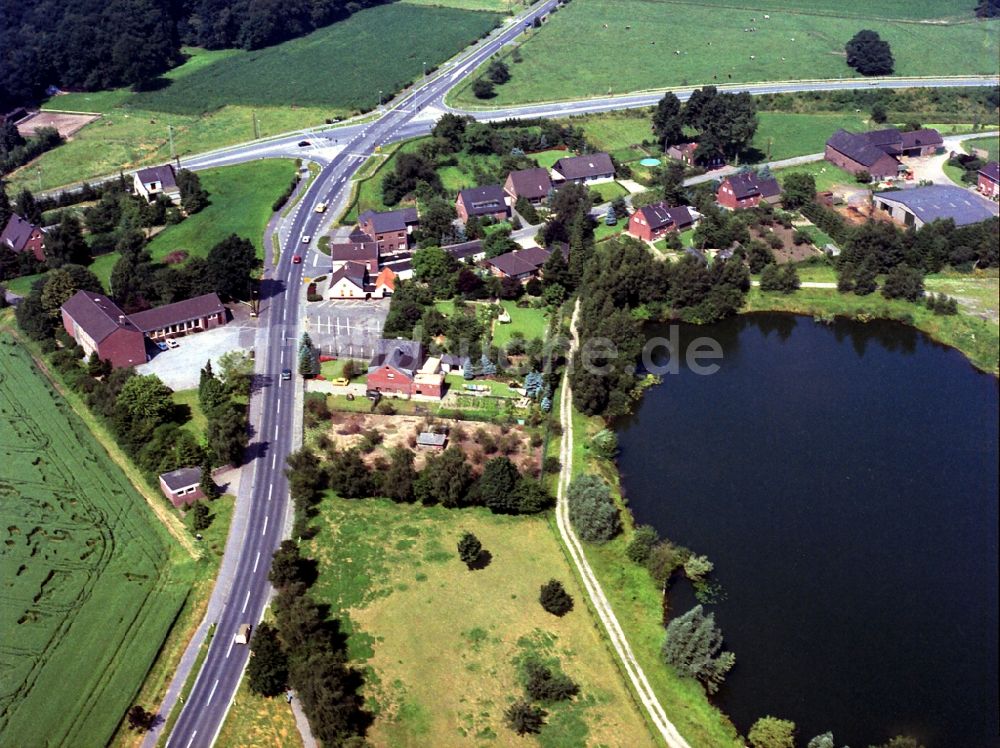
(20, 235)
(402, 367)
(653, 222)
(99, 326)
(747, 190)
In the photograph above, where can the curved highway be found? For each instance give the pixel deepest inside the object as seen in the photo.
(260, 521)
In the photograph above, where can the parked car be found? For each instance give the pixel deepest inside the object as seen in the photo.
(341, 382)
(296, 259)
(286, 374)
(161, 345)
(172, 343)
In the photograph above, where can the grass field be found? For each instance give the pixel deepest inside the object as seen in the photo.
(259, 722)
(827, 175)
(531, 323)
(495, 6)
(781, 135)
(800, 40)
(89, 589)
(990, 144)
(446, 681)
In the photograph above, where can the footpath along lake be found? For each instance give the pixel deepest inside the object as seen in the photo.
(843, 480)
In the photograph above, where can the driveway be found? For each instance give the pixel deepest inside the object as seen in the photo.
(179, 367)
(346, 328)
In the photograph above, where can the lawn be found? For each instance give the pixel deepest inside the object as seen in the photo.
(195, 422)
(602, 231)
(827, 175)
(548, 158)
(383, 566)
(992, 145)
(608, 191)
(92, 582)
(532, 323)
(617, 131)
(241, 198)
(780, 135)
(330, 370)
(636, 45)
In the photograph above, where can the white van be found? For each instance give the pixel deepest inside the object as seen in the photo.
(243, 634)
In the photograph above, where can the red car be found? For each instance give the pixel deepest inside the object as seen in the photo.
(296, 260)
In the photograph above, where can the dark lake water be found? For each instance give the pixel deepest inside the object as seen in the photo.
(843, 479)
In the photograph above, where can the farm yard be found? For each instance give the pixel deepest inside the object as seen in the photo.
(89, 584)
(384, 565)
(682, 43)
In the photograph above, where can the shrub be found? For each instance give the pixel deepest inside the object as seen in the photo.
(771, 732)
(641, 544)
(592, 510)
(542, 684)
(469, 549)
(483, 89)
(697, 567)
(605, 443)
(523, 717)
(554, 598)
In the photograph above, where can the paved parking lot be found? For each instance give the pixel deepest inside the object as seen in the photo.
(179, 367)
(346, 328)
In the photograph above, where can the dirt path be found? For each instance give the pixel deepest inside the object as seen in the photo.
(614, 631)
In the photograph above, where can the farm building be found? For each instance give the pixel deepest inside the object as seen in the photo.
(182, 486)
(157, 180)
(481, 202)
(652, 222)
(921, 205)
(98, 325)
(521, 264)
(430, 440)
(878, 152)
(989, 180)
(747, 190)
(20, 235)
(182, 317)
(594, 167)
(401, 367)
(390, 230)
(531, 184)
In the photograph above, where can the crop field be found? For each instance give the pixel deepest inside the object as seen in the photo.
(447, 681)
(632, 45)
(88, 595)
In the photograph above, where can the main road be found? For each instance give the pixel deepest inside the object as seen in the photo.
(260, 522)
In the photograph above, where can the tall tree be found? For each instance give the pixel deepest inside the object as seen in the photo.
(267, 670)
(230, 263)
(65, 243)
(693, 647)
(869, 54)
(668, 120)
(27, 206)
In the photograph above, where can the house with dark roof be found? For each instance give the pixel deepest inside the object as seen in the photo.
(390, 230)
(746, 190)
(98, 325)
(157, 180)
(181, 318)
(401, 367)
(470, 251)
(531, 184)
(20, 235)
(923, 142)
(364, 252)
(989, 180)
(652, 222)
(878, 152)
(481, 202)
(592, 167)
(920, 205)
(521, 264)
(685, 153)
(349, 281)
(182, 486)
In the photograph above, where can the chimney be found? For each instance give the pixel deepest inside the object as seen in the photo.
(121, 320)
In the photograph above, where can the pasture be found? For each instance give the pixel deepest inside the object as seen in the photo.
(632, 45)
(383, 566)
(89, 592)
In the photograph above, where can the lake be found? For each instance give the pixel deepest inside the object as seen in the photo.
(843, 479)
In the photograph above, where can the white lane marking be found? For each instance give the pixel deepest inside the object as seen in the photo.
(192, 738)
(230, 650)
(246, 600)
(274, 460)
(279, 407)
(275, 436)
(256, 561)
(212, 693)
(264, 530)
(270, 490)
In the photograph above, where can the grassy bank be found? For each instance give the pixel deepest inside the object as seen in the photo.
(633, 45)
(385, 565)
(256, 721)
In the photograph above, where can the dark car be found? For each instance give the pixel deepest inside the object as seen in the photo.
(304, 143)
(286, 374)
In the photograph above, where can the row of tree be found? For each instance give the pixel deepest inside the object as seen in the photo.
(16, 150)
(725, 123)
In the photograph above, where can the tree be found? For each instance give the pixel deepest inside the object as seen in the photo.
(668, 122)
(227, 435)
(141, 720)
(451, 129)
(498, 72)
(201, 519)
(900, 741)
(6, 210)
(525, 718)
(554, 598)
(798, 189)
(287, 566)
(435, 267)
(27, 207)
(411, 169)
(10, 137)
(59, 286)
(864, 278)
(193, 195)
(308, 360)
(349, 475)
(236, 372)
(542, 684)
(495, 487)
(869, 54)
(498, 243)
(783, 278)
(267, 670)
(903, 282)
(469, 549)
(65, 243)
(532, 497)
(822, 741)
(437, 217)
(398, 477)
(641, 544)
(206, 482)
(771, 732)
(879, 115)
(526, 210)
(483, 89)
(592, 511)
(693, 647)
(610, 218)
(146, 398)
(230, 263)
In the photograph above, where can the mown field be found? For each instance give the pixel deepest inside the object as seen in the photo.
(991, 145)
(800, 40)
(439, 642)
(89, 590)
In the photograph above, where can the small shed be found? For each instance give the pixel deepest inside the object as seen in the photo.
(182, 486)
(431, 440)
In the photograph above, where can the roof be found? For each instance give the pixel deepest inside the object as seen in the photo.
(465, 249)
(483, 200)
(857, 147)
(520, 261)
(363, 251)
(584, 167)
(354, 272)
(942, 201)
(430, 439)
(531, 183)
(888, 138)
(683, 148)
(392, 220)
(749, 183)
(660, 214)
(403, 355)
(450, 359)
(180, 311)
(921, 139)
(386, 277)
(181, 478)
(97, 315)
(162, 174)
(991, 171)
(17, 232)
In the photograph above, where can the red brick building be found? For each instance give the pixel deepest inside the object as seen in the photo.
(989, 180)
(531, 184)
(747, 190)
(390, 230)
(97, 324)
(481, 202)
(181, 318)
(652, 222)
(401, 367)
(182, 486)
(20, 235)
